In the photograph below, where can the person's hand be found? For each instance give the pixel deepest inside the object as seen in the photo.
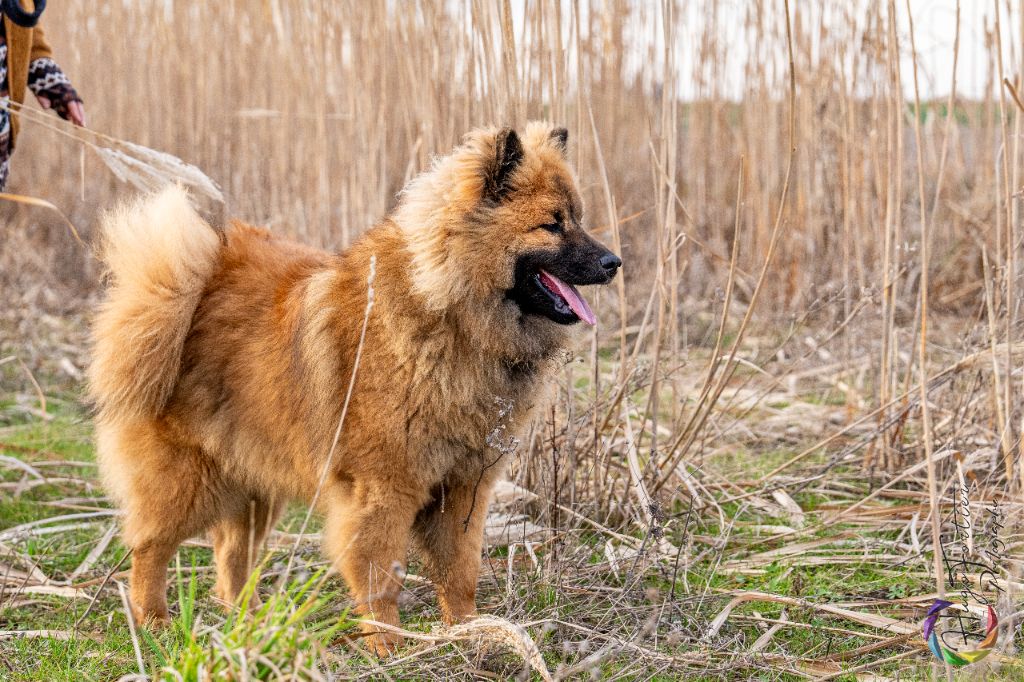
(75, 112)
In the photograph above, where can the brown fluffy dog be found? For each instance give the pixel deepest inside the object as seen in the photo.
(222, 364)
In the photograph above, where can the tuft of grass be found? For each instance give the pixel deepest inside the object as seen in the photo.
(286, 637)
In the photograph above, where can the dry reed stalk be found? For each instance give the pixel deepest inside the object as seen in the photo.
(946, 133)
(926, 420)
(772, 244)
(148, 170)
(486, 630)
(42, 203)
(891, 266)
(1009, 256)
(59, 635)
(869, 619)
(132, 629)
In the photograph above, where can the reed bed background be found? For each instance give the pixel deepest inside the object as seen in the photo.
(815, 338)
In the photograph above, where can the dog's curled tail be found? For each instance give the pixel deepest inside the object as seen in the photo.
(159, 255)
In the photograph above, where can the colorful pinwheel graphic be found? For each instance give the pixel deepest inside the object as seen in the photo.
(958, 658)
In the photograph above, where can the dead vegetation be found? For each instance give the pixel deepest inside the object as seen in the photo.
(746, 470)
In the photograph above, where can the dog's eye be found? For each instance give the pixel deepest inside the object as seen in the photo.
(557, 226)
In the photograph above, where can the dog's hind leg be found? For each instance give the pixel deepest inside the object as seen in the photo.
(168, 493)
(149, 579)
(237, 542)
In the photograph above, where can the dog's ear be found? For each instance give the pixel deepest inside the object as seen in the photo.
(560, 138)
(508, 152)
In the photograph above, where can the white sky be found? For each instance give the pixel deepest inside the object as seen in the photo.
(934, 23)
(934, 32)
(935, 28)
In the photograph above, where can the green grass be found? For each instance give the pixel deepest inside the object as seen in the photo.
(285, 636)
(102, 647)
(303, 626)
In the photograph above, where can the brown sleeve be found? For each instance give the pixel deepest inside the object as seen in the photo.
(40, 48)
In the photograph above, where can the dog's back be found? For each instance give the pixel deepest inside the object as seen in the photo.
(196, 331)
(239, 392)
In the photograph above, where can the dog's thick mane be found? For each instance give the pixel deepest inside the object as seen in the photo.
(446, 201)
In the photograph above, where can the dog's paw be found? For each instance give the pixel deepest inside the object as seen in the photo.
(450, 618)
(156, 619)
(383, 644)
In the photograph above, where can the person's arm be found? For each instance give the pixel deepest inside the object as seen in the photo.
(49, 84)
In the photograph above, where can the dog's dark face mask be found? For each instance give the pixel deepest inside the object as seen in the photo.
(546, 281)
(555, 254)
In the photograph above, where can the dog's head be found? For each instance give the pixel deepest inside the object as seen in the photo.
(495, 232)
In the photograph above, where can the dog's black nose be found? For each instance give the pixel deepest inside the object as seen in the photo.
(610, 262)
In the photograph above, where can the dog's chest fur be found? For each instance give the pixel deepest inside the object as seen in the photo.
(463, 413)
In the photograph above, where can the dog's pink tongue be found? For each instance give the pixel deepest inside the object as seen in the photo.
(571, 296)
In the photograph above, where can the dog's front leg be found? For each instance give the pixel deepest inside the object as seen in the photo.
(367, 536)
(450, 537)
